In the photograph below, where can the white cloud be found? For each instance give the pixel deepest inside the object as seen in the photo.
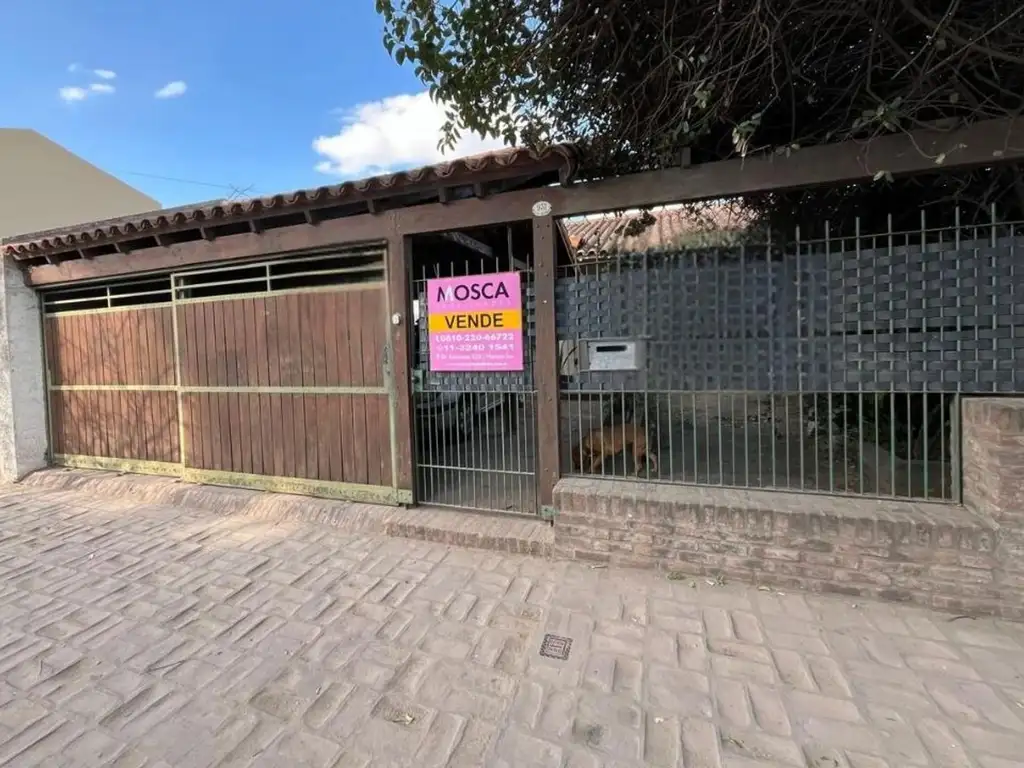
(101, 88)
(396, 132)
(104, 74)
(70, 93)
(172, 90)
(73, 67)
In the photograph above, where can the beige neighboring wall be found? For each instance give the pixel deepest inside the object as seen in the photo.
(44, 186)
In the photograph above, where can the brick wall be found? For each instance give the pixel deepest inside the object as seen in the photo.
(937, 555)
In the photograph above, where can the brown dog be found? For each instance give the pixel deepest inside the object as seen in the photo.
(606, 442)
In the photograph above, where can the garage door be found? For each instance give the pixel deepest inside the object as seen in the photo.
(273, 375)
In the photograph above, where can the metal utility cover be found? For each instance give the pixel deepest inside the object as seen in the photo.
(556, 647)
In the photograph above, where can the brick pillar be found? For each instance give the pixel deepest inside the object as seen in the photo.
(23, 428)
(992, 440)
(993, 458)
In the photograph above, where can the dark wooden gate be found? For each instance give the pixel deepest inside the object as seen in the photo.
(274, 376)
(112, 394)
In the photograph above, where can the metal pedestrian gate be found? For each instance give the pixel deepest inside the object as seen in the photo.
(274, 376)
(475, 432)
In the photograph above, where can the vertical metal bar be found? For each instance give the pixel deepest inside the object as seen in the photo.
(716, 266)
(1012, 288)
(828, 320)
(926, 333)
(748, 345)
(693, 394)
(772, 380)
(910, 381)
(674, 264)
(860, 379)
(954, 440)
(892, 382)
(801, 336)
(956, 454)
(546, 379)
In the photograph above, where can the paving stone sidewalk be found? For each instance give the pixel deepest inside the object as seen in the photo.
(138, 635)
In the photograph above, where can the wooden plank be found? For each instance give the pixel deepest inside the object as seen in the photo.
(329, 341)
(144, 331)
(194, 439)
(345, 377)
(325, 435)
(186, 344)
(371, 331)
(219, 341)
(123, 423)
(372, 336)
(295, 434)
(358, 443)
(253, 325)
(86, 330)
(260, 310)
(97, 408)
(213, 432)
(336, 354)
(356, 320)
(336, 437)
(114, 343)
(170, 440)
(275, 320)
(399, 267)
(292, 343)
(545, 371)
(307, 366)
(56, 423)
(357, 403)
(366, 229)
(305, 345)
(61, 427)
(73, 443)
(71, 327)
(168, 353)
(831, 164)
(235, 341)
(318, 331)
(241, 444)
(348, 439)
(310, 437)
(203, 350)
(247, 367)
(379, 405)
(268, 445)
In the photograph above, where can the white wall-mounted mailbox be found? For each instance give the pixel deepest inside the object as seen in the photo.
(615, 354)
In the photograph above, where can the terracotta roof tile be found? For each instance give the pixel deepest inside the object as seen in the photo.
(222, 211)
(665, 229)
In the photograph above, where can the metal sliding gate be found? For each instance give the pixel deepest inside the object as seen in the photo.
(475, 432)
(273, 375)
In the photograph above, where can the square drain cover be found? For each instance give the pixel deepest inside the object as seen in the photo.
(556, 647)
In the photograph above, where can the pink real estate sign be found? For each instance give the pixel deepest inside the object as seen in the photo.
(475, 323)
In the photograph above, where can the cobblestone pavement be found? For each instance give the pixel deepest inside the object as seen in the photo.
(134, 635)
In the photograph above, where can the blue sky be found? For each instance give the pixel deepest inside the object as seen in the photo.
(277, 95)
